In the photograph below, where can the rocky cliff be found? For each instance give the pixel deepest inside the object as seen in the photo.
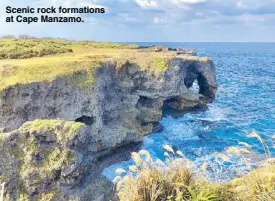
(56, 135)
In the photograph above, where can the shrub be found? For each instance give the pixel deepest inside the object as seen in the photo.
(173, 180)
(150, 180)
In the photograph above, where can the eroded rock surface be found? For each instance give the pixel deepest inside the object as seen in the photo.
(48, 159)
(121, 107)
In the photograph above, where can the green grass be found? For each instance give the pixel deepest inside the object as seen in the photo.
(68, 132)
(56, 156)
(27, 146)
(161, 64)
(28, 48)
(44, 69)
(72, 59)
(22, 49)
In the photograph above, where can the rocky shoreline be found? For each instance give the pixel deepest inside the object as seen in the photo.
(58, 136)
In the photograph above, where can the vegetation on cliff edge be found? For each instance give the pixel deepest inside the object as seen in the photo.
(175, 179)
(55, 58)
(41, 153)
(12, 48)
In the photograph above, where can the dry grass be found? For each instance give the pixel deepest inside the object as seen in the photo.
(12, 48)
(173, 179)
(2, 191)
(150, 180)
(84, 57)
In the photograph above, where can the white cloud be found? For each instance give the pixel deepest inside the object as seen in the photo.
(241, 5)
(138, 15)
(147, 4)
(127, 17)
(199, 14)
(157, 20)
(259, 19)
(188, 1)
(90, 20)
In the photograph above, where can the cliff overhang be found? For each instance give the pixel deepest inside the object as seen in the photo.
(80, 115)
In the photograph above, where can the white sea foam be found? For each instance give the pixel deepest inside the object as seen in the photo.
(244, 102)
(215, 113)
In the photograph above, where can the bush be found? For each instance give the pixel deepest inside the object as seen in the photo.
(173, 179)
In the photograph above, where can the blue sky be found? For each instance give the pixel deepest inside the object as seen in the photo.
(155, 20)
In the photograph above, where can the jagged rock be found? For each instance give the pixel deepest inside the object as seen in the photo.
(55, 157)
(48, 158)
(181, 51)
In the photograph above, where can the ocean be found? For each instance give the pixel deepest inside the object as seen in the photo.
(245, 102)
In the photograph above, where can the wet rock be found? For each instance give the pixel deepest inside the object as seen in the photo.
(157, 127)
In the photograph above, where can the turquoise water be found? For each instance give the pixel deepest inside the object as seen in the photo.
(245, 102)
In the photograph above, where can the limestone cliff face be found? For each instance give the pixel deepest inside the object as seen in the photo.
(48, 160)
(120, 107)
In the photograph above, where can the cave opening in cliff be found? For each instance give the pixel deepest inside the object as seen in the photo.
(195, 88)
(145, 101)
(86, 120)
(196, 81)
(198, 85)
(204, 87)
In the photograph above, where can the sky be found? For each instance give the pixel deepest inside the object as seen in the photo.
(154, 21)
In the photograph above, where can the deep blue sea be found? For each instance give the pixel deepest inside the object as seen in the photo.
(245, 102)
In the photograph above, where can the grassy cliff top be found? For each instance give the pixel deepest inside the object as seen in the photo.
(25, 61)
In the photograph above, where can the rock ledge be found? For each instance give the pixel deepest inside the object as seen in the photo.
(55, 132)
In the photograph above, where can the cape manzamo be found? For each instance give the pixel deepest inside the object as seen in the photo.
(68, 107)
(46, 18)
